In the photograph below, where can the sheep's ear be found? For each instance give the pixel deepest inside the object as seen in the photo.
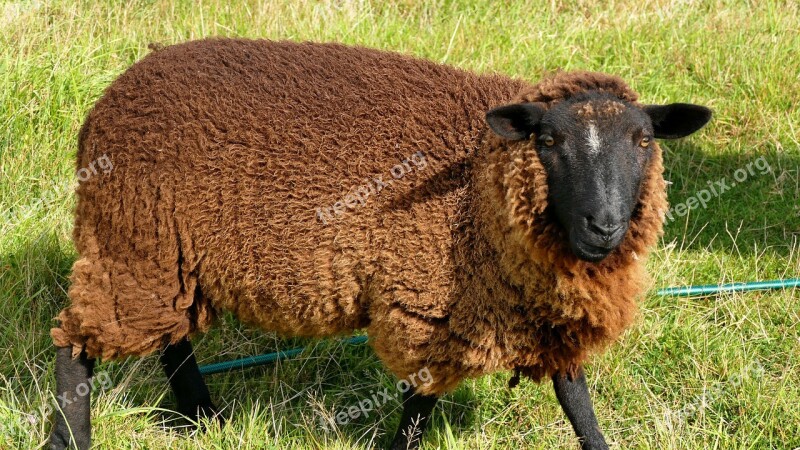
(677, 119)
(516, 121)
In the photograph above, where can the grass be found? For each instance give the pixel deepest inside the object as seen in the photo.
(720, 372)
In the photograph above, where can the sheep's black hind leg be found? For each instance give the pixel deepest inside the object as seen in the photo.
(417, 410)
(72, 427)
(577, 404)
(191, 392)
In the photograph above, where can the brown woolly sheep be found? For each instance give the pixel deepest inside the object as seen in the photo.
(315, 189)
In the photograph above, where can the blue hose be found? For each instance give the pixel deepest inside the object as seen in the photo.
(706, 289)
(258, 360)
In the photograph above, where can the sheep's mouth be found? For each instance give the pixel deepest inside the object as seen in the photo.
(589, 252)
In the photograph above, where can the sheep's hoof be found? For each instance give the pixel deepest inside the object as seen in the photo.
(594, 445)
(58, 442)
(204, 415)
(404, 445)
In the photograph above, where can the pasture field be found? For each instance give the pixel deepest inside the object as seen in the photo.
(719, 372)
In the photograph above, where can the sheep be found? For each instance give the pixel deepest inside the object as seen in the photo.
(258, 177)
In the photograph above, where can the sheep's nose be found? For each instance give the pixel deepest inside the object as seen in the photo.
(605, 228)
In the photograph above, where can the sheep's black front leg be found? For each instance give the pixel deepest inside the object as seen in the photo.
(191, 392)
(417, 410)
(576, 403)
(72, 427)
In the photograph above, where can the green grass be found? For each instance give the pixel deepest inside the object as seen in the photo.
(720, 372)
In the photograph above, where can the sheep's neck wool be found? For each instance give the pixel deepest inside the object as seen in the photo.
(314, 189)
(546, 310)
(521, 299)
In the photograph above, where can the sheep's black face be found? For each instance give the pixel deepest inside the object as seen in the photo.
(595, 149)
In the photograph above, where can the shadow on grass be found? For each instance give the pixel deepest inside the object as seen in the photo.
(752, 201)
(329, 377)
(757, 216)
(33, 286)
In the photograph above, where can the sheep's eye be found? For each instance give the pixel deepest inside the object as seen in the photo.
(547, 140)
(645, 142)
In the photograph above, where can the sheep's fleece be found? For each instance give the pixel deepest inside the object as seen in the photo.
(225, 150)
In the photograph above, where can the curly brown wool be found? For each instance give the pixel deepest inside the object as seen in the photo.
(224, 152)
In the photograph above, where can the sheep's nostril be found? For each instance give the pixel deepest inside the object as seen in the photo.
(606, 231)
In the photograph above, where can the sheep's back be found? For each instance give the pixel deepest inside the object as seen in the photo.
(228, 155)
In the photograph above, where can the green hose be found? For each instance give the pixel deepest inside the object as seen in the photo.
(259, 360)
(706, 289)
